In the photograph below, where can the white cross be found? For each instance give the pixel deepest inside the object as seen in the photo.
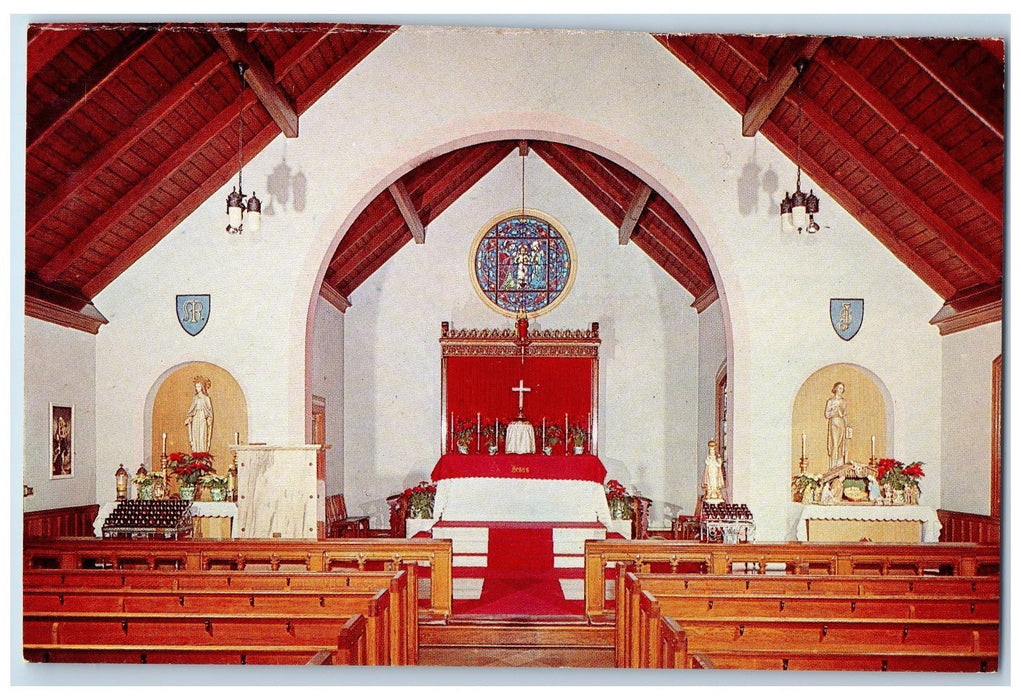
(521, 389)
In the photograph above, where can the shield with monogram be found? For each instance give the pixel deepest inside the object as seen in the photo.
(193, 312)
(846, 316)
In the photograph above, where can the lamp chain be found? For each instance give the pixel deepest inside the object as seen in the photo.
(241, 123)
(522, 185)
(800, 71)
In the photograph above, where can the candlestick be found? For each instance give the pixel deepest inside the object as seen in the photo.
(565, 433)
(451, 431)
(543, 433)
(478, 432)
(237, 438)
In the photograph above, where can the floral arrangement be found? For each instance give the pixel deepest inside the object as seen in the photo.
(143, 480)
(577, 434)
(616, 498)
(491, 435)
(553, 434)
(894, 474)
(804, 482)
(421, 499)
(464, 432)
(189, 468)
(213, 481)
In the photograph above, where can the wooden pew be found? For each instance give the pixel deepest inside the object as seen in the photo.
(350, 649)
(432, 555)
(790, 558)
(403, 596)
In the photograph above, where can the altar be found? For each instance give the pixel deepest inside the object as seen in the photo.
(521, 488)
(852, 523)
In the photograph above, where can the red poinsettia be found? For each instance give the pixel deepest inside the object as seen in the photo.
(189, 468)
(893, 473)
(615, 489)
(422, 497)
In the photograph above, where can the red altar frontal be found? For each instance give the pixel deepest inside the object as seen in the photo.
(574, 467)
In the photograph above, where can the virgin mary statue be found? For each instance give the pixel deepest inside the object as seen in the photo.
(200, 417)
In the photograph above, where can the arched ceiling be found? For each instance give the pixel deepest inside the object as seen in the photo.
(130, 127)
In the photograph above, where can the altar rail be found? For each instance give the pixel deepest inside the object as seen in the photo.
(75, 521)
(239, 555)
(968, 527)
(829, 559)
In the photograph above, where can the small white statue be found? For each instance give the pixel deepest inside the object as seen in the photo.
(713, 481)
(200, 417)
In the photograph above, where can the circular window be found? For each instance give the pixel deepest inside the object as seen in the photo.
(522, 262)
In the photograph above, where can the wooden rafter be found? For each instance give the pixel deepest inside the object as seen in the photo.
(333, 73)
(933, 152)
(185, 206)
(46, 42)
(836, 189)
(825, 123)
(771, 91)
(143, 189)
(115, 148)
(338, 300)
(96, 79)
(407, 208)
(634, 212)
(259, 77)
(962, 90)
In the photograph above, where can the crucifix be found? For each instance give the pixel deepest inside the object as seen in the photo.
(521, 389)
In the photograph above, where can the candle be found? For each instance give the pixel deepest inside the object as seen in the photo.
(451, 431)
(478, 432)
(164, 443)
(873, 447)
(544, 433)
(565, 433)
(237, 438)
(802, 446)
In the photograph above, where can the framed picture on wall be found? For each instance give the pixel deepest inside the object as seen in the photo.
(61, 442)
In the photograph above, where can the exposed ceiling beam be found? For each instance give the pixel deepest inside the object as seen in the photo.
(634, 212)
(855, 150)
(523, 148)
(330, 294)
(969, 308)
(407, 208)
(467, 174)
(186, 206)
(676, 45)
(115, 148)
(258, 76)
(843, 196)
(333, 73)
(934, 153)
(783, 74)
(308, 43)
(144, 188)
(938, 69)
(93, 81)
(45, 43)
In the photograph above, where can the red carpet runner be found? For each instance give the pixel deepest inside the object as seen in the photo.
(519, 578)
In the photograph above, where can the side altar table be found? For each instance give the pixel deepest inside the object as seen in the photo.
(520, 488)
(851, 523)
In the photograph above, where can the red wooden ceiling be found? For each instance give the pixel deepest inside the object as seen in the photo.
(130, 127)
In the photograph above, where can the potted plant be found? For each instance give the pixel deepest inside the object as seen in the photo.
(145, 483)
(491, 436)
(898, 480)
(189, 468)
(617, 499)
(421, 499)
(553, 435)
(217, 486)
(578, 435)
(806, 487)
(464, 433)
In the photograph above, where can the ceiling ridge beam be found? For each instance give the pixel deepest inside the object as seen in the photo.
(95, 80)
(892, 115)
(768, 93)
(113, 149)
(259, 78)
(949, 236)
(961, 90)
(854, 206)
(185, 207)
(634, 212)
(407, 208)
(170, 164)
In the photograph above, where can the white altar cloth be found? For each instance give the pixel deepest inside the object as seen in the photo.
(931, 525)
(199, 509)
(520, 439)
(521, 500)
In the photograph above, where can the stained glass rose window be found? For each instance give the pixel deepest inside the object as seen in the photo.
(522, 261)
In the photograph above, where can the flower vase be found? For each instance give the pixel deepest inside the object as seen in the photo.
(547, 450)
(218, 494)
(898, 497)
(462, 448)
(579, 449)
(145, 492)
(492, 449)
(809, 495)
(187, 492)
(159, 489)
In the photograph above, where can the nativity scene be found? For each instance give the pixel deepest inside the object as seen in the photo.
(546, 348)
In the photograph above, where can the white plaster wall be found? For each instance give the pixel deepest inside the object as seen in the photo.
(392, 354)
(60, 368)
(967, 417)
(427, 90)
(327, 378)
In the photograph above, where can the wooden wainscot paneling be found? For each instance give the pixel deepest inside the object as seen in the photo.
(74, 521)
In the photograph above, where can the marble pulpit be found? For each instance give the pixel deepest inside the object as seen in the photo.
(278, 492)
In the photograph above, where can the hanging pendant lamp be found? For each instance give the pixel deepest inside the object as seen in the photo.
(797, 211)
(238, 209)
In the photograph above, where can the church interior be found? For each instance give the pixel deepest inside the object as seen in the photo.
(411, 345)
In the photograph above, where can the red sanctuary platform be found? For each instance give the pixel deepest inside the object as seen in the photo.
(573, 467)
